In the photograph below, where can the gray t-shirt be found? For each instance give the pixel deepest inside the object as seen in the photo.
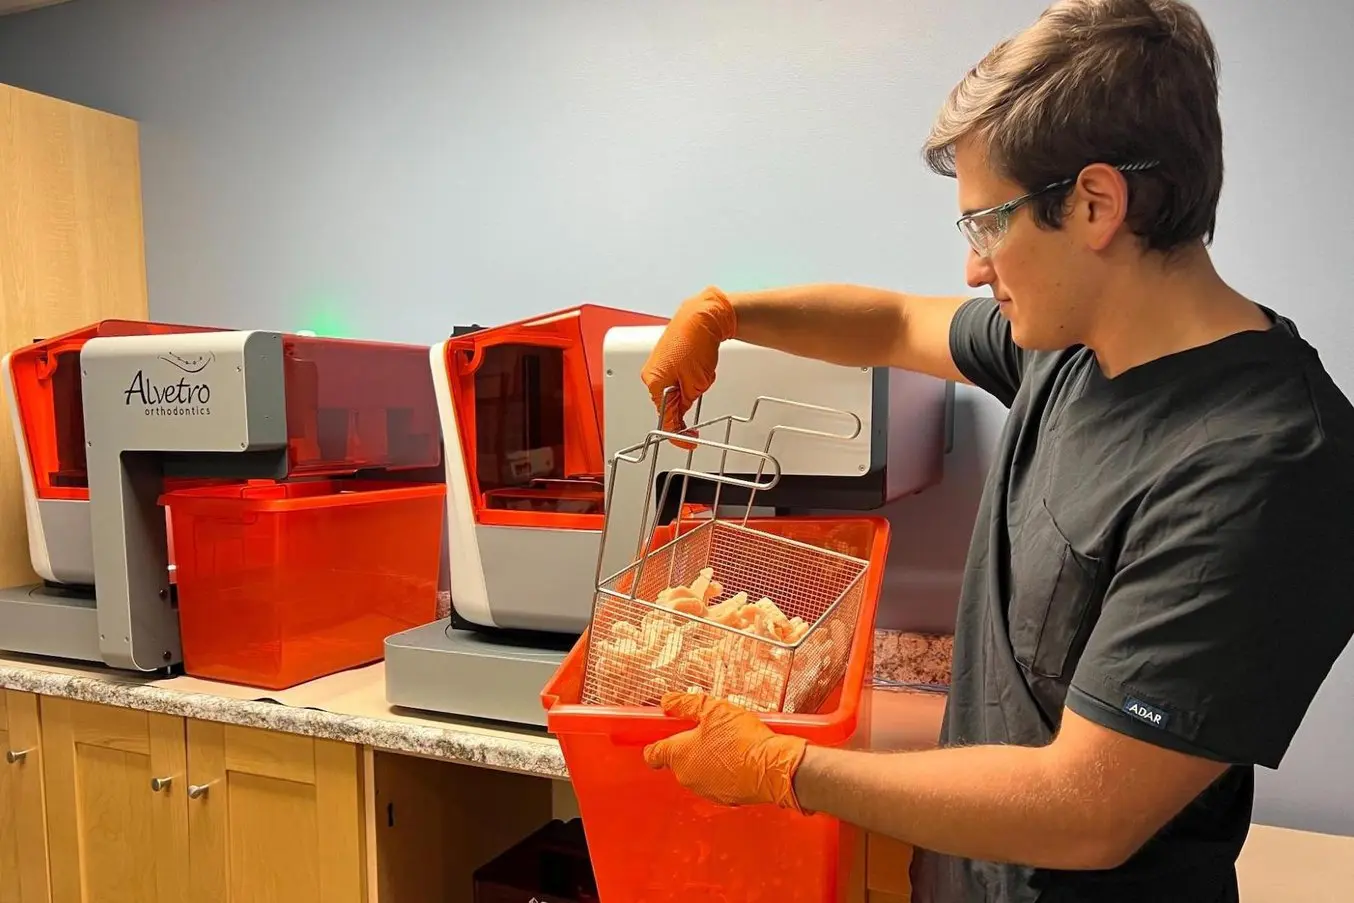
(1167, 553)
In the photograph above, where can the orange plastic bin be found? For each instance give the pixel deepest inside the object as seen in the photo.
(281, 583)
(654, 841)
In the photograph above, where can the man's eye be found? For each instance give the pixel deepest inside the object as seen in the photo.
(986, 225)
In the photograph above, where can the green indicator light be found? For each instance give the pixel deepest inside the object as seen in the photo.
(325, 316)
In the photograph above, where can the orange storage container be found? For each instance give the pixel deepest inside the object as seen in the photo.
(281, 583)
(652, 840)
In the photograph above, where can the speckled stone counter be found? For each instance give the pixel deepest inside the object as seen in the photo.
(348, 707)
(913, 659)
(351, 706)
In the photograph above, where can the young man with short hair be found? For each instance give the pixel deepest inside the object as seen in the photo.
(1160, 575)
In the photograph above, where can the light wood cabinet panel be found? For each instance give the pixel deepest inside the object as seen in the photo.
(10, 886)
(274, 818)
(436, 822)
(113, 837)
(72, 250)
(23, 817)
(888, 864)
(852, 862)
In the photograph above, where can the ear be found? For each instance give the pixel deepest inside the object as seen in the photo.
(1103, 191)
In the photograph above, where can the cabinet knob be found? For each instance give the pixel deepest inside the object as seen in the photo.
(158, 784)
(196, 791)
(15, 756)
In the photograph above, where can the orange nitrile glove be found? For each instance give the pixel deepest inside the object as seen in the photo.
(687, 353)
(730, 757)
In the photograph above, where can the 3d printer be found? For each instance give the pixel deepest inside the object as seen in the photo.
(275, 455)
(532, 411)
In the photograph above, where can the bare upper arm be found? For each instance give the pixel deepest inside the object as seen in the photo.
(923, 343)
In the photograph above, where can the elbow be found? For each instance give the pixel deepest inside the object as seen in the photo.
(1104, 849)
(1105, 857)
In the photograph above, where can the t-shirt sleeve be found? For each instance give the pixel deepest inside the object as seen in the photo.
(1229, 606)
(983, 351)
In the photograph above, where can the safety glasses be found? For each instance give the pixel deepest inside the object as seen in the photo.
(985, 229)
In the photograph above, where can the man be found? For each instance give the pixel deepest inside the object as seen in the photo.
(1160, 576)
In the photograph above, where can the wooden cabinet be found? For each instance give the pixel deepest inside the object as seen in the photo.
(71, 250)
(274, 817)
(436, 822)
(23, 828)
(114, 837)
(118, 805)
(147, 808)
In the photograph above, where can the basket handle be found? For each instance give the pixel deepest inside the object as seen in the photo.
(637, 453)
(731, 419)
(765, 455)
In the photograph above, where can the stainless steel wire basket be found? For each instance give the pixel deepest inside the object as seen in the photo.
(723, 608)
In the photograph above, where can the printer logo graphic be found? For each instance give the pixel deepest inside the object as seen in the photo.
(189, 363)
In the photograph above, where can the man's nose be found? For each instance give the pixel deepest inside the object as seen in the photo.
(977, 270)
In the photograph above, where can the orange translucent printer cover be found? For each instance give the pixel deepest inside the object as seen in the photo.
(528, 403)
(351, 405)
(47, 390)
(356, 405)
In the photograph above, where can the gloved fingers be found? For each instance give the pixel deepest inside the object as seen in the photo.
(691, 385)
(671, 404)
(688, 706)
(685, 705)
(674, 421)
(659, 755)
(690, 388)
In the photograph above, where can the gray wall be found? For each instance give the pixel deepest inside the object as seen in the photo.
(392, 169)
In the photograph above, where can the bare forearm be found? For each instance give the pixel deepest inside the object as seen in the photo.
(997, 803)
(851, 325)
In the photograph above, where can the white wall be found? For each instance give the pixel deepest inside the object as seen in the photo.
(393, 169)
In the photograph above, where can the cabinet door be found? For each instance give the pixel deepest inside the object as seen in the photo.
(116, 804)
(273, 817)
(23, 819)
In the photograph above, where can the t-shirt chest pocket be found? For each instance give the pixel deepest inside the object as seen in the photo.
(1055, 590)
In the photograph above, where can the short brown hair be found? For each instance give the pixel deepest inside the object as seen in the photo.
(1100, 81)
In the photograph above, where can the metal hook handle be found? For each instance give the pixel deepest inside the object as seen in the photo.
(639, 452)
(772, 433)
(857, 424)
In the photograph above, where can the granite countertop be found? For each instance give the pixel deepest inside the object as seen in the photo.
(351, 706)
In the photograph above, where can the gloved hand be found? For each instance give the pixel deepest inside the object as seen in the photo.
(730, 757)
(687, 353)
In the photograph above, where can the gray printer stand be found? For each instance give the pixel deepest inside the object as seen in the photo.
(468, 674)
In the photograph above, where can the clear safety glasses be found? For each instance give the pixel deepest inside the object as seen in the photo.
(985, 229)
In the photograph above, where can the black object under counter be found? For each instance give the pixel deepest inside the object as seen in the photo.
(549, 866)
